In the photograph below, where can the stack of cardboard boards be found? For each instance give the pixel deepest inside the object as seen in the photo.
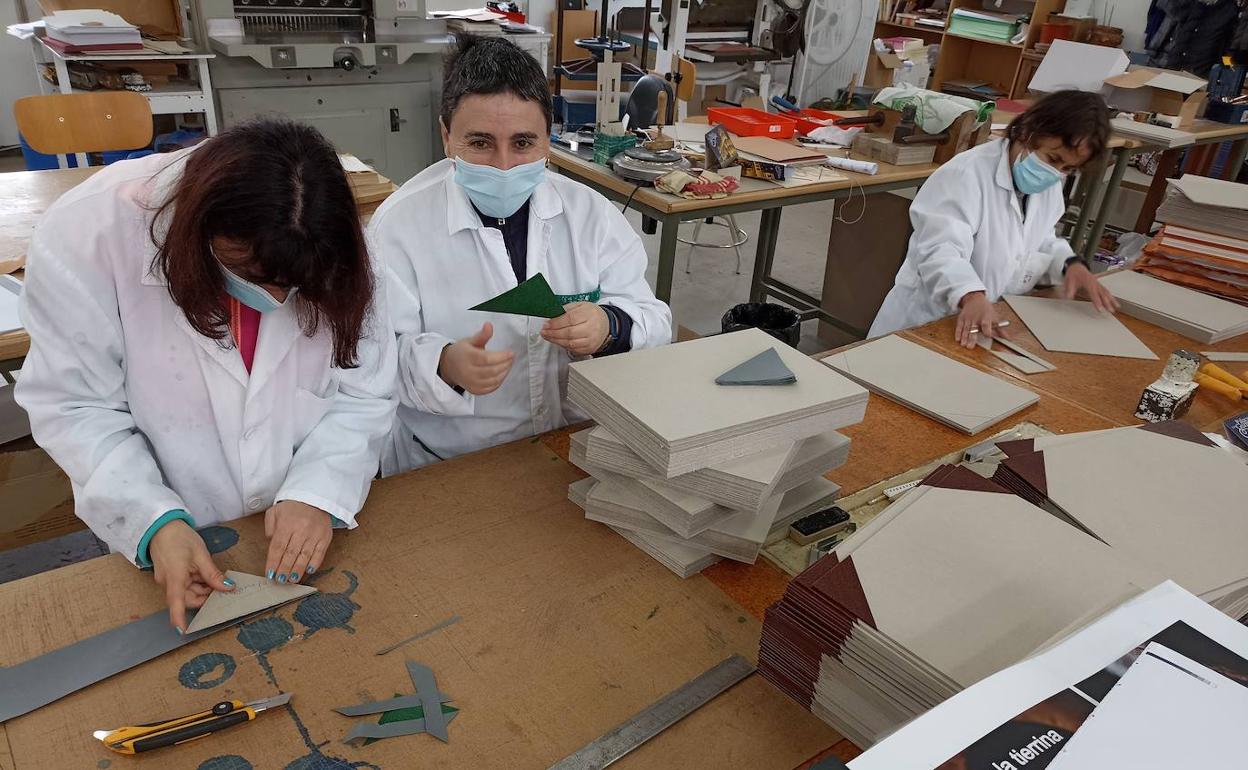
(1203, 243)
(692, 469)
(964, 576)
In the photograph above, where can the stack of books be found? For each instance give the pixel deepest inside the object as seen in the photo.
(90, 31)
(1203, 243)
(694, 470)
(964, 576)
(984, 24)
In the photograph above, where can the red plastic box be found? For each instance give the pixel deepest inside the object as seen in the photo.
(744, 121)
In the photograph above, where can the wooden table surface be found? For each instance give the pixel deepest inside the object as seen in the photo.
(752, 190)
(557, 642)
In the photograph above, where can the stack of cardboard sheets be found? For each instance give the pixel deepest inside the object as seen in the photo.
(690, 470)
(368, 186)
(960, 578)
(1163, 495)
(1204, 241)
(1198, 316)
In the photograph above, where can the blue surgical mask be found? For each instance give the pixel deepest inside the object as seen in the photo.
(250, 294)
(1032, 175)
(497, 193)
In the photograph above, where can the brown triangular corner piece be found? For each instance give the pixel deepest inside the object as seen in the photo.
(1017, 446)
(251, 594)
(1180, 430)
(843, 583)
(957, 477)
(1030, 469)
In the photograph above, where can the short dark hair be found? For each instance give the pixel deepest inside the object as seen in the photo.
(279, 187)
(491, 65)
(1077, 118)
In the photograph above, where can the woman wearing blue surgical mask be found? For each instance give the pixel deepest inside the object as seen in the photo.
(207, 342)
(985, 223)
(478, 224)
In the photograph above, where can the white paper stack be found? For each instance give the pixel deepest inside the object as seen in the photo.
(1182, 310)
(92, 29)
(690, 469)
(1155, 683)
(664, 404)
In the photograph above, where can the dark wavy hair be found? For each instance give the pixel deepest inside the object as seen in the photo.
(492, 65)
(278, 188)
(1077, 118)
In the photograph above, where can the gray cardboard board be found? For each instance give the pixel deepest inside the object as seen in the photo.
(766, 368)
(1074, 326)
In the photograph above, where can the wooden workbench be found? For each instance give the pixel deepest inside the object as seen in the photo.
(755, 195)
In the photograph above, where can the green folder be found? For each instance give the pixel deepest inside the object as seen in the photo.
(532, 298)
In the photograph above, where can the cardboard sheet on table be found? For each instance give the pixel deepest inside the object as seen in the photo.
(1167, 711)
(1073, 326)
(251, 594)
(1177, 302)
(1212, 192)
(775, 150)
(957, 395)
(533, 297)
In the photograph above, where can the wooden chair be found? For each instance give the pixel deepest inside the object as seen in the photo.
(65, 124)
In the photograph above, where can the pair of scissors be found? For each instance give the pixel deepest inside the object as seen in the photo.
(155, 735)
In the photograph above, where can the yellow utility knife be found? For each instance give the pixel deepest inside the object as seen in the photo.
(132, 740)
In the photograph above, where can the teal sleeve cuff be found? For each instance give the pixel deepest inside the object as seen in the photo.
(335, 522)
(141, 557)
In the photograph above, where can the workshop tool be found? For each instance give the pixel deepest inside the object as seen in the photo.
(659, 716)
(1218, 386)
(997, 325)
(1170, 396)
(156, 735)
(637, 164)
(819, 525)
(1218, 373)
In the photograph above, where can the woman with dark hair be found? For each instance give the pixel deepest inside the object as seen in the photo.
(207, 342)
(985, 222)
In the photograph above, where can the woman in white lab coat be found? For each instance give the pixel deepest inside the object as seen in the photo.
(207, 342)
(985, 222)
(475, 225)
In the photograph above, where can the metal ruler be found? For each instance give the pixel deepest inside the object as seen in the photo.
(658, 716)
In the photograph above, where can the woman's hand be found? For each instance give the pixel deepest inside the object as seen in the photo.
(467, 364)
(1079, 278)
(299, 534)
(581, 329)
(979, 315)
(184, 568)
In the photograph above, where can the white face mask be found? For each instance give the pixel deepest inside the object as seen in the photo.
(252, 295)
(498, 193)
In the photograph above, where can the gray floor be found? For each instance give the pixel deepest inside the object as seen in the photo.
(701, 296)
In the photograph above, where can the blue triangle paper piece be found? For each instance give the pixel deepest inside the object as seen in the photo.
(766, 368)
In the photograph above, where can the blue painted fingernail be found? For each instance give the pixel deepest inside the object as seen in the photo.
(281, 578)
(228, 582)
(179, 630)
(311, 569)
(294, 577)
(270, 574)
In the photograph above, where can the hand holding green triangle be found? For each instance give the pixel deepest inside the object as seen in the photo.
(534, 297)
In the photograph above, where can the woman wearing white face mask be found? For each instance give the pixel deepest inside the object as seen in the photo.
(207, 342)
(985, 222)
(477, 224)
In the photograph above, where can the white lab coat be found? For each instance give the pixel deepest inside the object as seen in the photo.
(442, 260)
(146, 415)
(970, 235)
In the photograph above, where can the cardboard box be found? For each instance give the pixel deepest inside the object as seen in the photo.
(38, 501)
(1164, 91)
(881, 68)
(161, 19)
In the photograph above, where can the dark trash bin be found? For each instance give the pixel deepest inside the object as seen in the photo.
(777, 320)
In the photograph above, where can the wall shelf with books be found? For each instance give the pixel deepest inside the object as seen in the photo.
(987, 57)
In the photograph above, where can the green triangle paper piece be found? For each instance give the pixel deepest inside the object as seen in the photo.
(402, 715)
(532, 298)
